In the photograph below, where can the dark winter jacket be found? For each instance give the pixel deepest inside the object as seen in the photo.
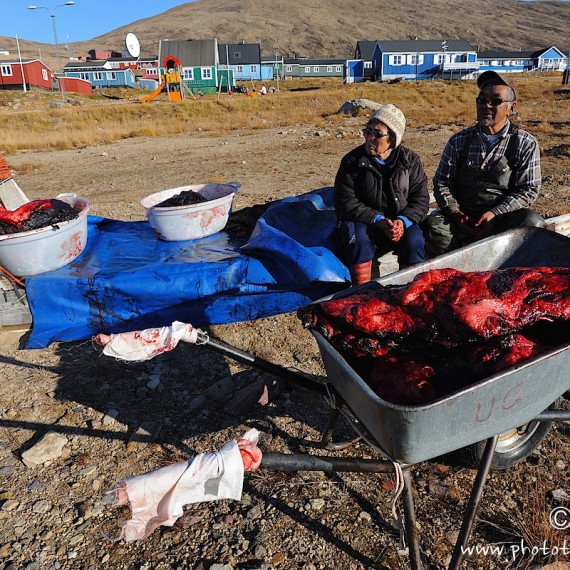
(363, 189)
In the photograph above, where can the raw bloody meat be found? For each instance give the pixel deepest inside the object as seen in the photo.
(34, 215)
(465, 325)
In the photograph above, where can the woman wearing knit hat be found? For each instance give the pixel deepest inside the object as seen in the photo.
(380, 197)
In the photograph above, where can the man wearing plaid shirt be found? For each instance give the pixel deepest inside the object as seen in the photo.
(488, 175)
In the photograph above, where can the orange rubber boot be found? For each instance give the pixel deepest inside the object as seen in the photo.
(361, 272)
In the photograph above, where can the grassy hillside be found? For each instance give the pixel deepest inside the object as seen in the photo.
(327, 28)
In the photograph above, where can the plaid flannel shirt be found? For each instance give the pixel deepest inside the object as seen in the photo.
(525, 179)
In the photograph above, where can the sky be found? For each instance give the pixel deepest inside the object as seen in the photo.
(85, 20)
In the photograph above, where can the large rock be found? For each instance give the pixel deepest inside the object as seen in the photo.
(354, 106)
(49, 447)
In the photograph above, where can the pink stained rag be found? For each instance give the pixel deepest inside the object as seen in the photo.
(158, 497)
(146, 344)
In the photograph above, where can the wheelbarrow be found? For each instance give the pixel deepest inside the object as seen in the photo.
(498, 421)
(501, 419)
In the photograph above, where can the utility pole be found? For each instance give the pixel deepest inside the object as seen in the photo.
(52, 16)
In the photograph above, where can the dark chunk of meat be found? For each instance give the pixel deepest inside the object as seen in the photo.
(185, 198)
(35, 215)
(402, 380)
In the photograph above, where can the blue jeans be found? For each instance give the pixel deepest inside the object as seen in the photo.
(359, 242)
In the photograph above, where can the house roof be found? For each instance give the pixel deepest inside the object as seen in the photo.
(304, 61)
(424, 45)
(190, 53)
(123, 58)
(366, 49)
(13, 61)
(496, 54)
(239, 54)
(87, 65)
(271, 58)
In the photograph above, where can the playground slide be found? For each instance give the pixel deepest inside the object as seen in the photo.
(154, 94)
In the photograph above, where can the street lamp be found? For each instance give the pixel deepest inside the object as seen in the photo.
(277, 68)
(52, 16)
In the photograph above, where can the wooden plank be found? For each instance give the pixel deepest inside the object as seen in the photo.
(14, 310)
(559, 224)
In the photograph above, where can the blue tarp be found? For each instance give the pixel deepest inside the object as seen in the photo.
(127, 279)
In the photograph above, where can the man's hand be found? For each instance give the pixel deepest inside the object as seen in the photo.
(483, 225)
(393, 229)
(461, 221)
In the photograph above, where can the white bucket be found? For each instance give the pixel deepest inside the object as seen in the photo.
(180, 223)
(28, 253)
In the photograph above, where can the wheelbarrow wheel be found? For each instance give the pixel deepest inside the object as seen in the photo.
(513, 446)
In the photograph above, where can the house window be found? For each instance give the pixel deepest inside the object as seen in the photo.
(367, 65)
(416, 59)
(98, 76)
(239, 69)
(316, 69)
(152, 71)
(85, 76)
(307, 69)
(44, 74)
(237, 55)
(339, 68)
(329, 68)
(289, 68)
(396, 60)
(252, 68)
(188, 74)
(115, 64)
(6, 70)
(111, 75)
(206, 73)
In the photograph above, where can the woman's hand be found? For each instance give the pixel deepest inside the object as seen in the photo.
(393, 229)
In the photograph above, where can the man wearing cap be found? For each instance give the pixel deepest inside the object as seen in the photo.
(380, 197)
(488, 175)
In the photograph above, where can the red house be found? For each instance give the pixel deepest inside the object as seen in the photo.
(75, 85)
(13, 74)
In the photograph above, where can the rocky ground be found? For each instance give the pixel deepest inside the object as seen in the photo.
(107, 419)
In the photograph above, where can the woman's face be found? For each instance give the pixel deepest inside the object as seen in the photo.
(377, 140)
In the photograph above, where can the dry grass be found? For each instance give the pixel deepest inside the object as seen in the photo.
(29, 122)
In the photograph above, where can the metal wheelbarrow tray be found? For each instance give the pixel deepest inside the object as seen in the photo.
(411, 434)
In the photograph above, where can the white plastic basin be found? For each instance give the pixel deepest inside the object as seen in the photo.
(179, 223)
(36, 251)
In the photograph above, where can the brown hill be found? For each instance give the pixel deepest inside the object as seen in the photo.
(328, 28)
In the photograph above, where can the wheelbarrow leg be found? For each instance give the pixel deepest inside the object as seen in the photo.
(474, 499)
(410, 521)
(328, 431)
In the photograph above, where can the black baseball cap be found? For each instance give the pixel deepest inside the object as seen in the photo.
(493, 78)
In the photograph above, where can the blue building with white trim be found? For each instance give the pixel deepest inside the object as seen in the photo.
(424, 59)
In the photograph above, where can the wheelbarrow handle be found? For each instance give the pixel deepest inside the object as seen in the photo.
(289, 374)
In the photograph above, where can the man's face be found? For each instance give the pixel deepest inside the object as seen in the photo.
(494, 107)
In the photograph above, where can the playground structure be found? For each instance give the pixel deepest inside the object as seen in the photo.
(170, 81)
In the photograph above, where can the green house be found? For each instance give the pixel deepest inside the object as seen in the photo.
(199, 64)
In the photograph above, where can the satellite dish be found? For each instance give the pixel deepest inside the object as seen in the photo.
(133, 45)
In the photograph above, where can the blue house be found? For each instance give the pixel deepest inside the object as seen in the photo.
(353, 71)
(364, 51)
(271, 67)
(100, 74)
(244, 59)
(424, 59)
(547, 59)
